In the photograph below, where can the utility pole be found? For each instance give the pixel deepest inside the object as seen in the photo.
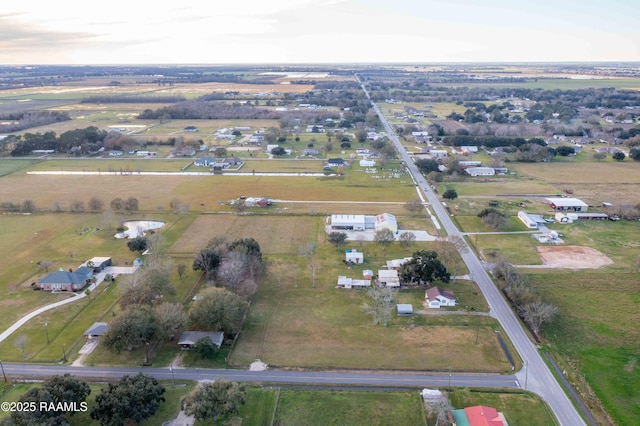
(173, 379)
(449, 376)
(526, 374)
(64, 353)
(46, 330)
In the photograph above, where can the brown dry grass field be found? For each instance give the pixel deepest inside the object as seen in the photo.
(275, 234)
(573, 257)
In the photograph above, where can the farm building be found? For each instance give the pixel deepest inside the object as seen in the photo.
(404, 309)
(367, 163)
(66, 281)
(528, 220)
(99, 263)
(568, 204)
(386, 221)
(469, 149)
(435, 297)
(388, 278)
(563, 218)
(353, 256)
(352, 222)
(349, 283)
(189, 338)
(592, 216)
(96, 330)
(468, 163)
(480, 171)
(397, 263)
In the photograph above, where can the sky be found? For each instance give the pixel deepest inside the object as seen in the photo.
(317, 31)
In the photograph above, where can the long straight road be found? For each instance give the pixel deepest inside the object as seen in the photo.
(536, 376)
(339, 378)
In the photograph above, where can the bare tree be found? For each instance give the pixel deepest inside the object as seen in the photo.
(384, 236)
(441, 408)
(21, 343)
(448, 249)
(536, 314)
(407, 239)
(414, 206)
(95, 204)
(77, 206)
(182, 268)
(312, 263)
(382, 301)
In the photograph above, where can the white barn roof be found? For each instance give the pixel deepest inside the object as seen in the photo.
(567, 202)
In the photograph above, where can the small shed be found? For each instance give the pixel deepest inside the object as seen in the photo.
(404, 309)
(353, 256)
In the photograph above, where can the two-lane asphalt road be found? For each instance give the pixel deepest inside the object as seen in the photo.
(536, 374)
(328, 378)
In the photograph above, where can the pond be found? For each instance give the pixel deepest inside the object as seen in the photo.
(137, 228)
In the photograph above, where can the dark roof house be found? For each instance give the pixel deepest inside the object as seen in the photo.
(189, 338)
(64, 280)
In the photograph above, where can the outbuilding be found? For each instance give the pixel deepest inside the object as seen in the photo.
(386, 221)
(404, 309)
(527, 220)
(388, 278)
(96, 330)
(353, 256)
(480, 171)
(568, 204)
(350, 222)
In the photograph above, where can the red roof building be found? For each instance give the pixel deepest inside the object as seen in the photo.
(483, 416)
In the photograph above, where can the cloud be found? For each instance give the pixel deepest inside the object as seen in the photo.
(20, 36)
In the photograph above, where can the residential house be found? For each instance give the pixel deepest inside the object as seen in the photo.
(189, 338)
(436, 297)
(478, 415)
(190, 129)
(115, 153)
(205, 161)
(335, 162)
(310, 151)
(184, 152)
(66, 281)
(367, 163)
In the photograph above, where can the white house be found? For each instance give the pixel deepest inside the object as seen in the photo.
(388, 278)
(438, 153)
(435, 297)
(527, 220)
(480, 171)
(354, 256)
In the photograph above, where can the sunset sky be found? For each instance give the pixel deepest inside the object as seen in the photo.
(317, 31)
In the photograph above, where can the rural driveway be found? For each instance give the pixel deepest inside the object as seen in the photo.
(536, 376)
(73, 297)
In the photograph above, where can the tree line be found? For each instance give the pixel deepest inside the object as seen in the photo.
(25, 120)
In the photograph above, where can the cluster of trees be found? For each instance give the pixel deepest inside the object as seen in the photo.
(25, 120)
(493, 218)
(490, 141)
(527, 303)
(235, 265)
(54, 393)
(215, 401)
(424, 268)
(78, 141)
(94, 205)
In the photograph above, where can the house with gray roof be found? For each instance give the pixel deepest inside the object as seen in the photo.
(66, 281)
(189, 338)
(97, 330)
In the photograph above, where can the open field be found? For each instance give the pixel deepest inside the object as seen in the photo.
(572, 257)
(482, 186)
(626, 172)
(556, 83)
(596, 335)
(132, 165)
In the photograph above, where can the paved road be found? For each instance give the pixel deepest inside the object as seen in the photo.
(377, 379)
(536, 376)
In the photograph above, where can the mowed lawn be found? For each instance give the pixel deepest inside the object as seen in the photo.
(290, 319)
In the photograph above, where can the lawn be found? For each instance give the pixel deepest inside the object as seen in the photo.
(596, 337)
(299, 407)
(10, 166)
